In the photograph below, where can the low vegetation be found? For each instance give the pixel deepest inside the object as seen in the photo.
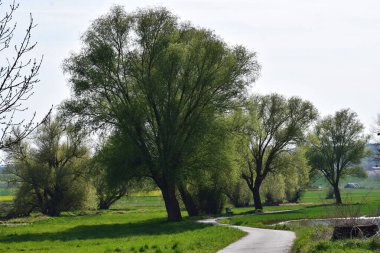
(135, 224)
(364, 202)
(318, 239)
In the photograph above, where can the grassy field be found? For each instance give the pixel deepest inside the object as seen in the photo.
(136, 224)
(348, 195)
(296, 213)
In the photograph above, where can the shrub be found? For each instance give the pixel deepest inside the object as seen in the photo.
(50, 169)
(210, 200)
(238, 193)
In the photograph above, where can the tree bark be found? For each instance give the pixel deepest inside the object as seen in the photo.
(256, 195)
(171, 202)
(104, 205)
(338, 198)
(187, 199)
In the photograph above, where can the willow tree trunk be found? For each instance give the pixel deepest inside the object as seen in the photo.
(338, 198)
(256, 196)
(171, 202)
(188, 200)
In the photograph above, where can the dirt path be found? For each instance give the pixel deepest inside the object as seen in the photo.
(257, 240)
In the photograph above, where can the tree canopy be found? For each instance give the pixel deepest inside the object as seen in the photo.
(337, 147)
(269, 126)
(50, 169)
(154, 79)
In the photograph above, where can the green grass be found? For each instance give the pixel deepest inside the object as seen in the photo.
(316, 240)
(7, 191)
(140, 226)
(348, 195)
(296, 213)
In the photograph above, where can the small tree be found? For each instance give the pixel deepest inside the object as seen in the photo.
(269, 126)
(238, 193)
(18, 75)
(296, 174)
(49, 170)
(208, 169)
(337, 147)
(114, 166)
(376, 131)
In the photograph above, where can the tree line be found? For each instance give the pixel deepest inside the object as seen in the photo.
(170, 102)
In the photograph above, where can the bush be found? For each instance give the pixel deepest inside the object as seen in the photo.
(273, 189)
(238, 193)
(210, 200)
(50, 170)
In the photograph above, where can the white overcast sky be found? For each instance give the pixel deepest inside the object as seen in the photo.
(322, 50)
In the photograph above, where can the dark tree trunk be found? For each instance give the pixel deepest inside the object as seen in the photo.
(338, 199)
(52, 210)
(171, 202)
(187, 199)
(104, 205)
(256, 195)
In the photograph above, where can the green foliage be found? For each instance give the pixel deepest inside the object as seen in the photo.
(273, 189)
(238, 193)
(288, 183)
(113, 169)
(296, 174)
(50, 169)
(337, 146)
(154, 79)
(269, 126)
(210, 167)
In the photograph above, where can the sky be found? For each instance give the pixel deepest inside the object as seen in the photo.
(327, 52)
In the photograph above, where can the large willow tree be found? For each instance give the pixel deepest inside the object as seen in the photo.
(154, 79)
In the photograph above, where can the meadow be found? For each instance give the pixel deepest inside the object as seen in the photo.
(138, 224)
(135, 224)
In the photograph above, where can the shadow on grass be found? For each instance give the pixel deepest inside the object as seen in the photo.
(103, 231)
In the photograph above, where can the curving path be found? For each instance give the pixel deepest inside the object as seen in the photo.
(257, 240)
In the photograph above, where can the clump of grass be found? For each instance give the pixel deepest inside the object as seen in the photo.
(321, 233)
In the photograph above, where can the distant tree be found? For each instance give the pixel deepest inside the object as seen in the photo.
(18, 75)
(376, 131)
(114, 169)
(269, 126)
(238, 193)
(297, 174)
(50, 169)
(337, 147)
(288, 183)
(152, 79)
